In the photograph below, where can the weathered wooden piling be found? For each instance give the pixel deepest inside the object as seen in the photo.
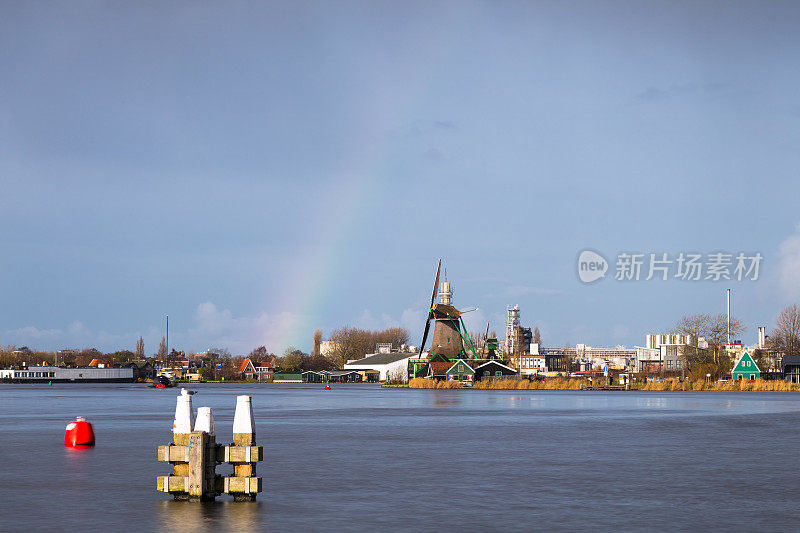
(195, 455)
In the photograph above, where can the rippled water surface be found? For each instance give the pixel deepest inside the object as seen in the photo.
(359, 457)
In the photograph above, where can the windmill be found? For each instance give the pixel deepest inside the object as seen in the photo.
(449, 332)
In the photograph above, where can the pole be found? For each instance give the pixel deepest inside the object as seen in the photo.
(729, 317)
(167, 335)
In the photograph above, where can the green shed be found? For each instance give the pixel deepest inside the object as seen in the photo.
(461, 371)
(745, 368)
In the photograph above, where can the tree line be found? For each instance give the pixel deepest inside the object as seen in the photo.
(353, 343)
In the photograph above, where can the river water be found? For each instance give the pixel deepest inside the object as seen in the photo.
(359, 457)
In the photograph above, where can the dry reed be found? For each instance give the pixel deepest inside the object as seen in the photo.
(667, 385)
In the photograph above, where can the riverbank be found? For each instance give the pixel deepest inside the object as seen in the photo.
(578, 384)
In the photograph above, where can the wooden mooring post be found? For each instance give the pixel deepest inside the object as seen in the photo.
(195, 455)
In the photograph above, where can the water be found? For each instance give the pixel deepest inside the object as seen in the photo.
(363, 458)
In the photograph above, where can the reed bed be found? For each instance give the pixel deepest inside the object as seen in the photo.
(702, 385)
(512, 383)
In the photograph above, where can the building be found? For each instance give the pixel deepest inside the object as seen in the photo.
(287, 377)
(512, 326)
(539, 361)
(493, 369)
(142, 370)
(33, 374)
(461, 371)
(791, 368)
(264, 371)
(246, 370)
(671, 351)
(345, 376)
(390, 366)
(327, 347)
(251, 372)
(745, 368)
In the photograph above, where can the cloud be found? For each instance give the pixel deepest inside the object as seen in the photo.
(211, 327)
(788, 269)
(74, 335)
(214, 327)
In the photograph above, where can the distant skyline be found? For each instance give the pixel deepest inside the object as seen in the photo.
(257, 171)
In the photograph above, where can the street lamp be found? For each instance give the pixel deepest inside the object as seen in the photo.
(708, 378)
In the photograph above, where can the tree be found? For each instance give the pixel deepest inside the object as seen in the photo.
(354, 343)
(162, 348)
(292, 359)
(714, 328)
(139, 353)
(569, 358)
(537, 337)
(122, 356)
(258, 353)
(786, 335)
(317, 342)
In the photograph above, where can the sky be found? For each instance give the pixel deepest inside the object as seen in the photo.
(257, 170)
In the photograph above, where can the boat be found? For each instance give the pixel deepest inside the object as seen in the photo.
(162, 382)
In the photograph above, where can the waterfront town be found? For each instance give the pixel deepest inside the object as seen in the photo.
(699, 347)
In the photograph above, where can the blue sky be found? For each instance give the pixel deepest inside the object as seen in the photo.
(257, 170)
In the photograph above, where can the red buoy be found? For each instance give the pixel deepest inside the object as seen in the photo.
(79, 433)
(327, 387)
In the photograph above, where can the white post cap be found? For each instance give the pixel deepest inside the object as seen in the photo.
(184, 415)
(243, 418)
(205, 421)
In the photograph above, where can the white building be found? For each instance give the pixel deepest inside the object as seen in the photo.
(389, 365)
(60, 374)
(327, 347)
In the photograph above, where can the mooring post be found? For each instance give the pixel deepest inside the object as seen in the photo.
(177, 453)
(195, 455)
(243, 454)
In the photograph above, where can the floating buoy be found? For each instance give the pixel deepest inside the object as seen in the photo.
(50, 383)
(79, 433)
(327, 387)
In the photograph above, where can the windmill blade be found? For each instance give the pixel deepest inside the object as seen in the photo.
(471, 309)
(436, 284)
(425, 335)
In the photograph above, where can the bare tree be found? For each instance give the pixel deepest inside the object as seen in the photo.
(537, 336)
(256, 354)
(139, 353)
(354, 343)
(714, 328)
(786, 335)
(569, 357)
(162, 348)
(317, 342)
